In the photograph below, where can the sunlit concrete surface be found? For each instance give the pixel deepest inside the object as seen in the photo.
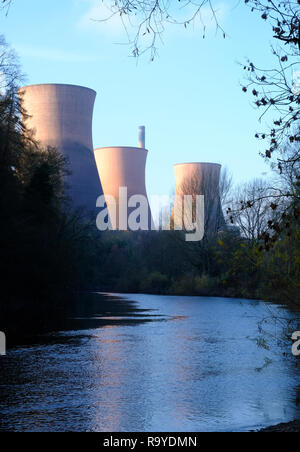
(122, 167)
(61, 116)
(202, 179)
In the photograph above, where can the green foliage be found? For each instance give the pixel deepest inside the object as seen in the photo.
(185, 285)
(155, 282)
(261, 342)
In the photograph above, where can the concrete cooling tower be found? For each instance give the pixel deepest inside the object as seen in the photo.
(119, 167)
(61, 116)
(202, 179)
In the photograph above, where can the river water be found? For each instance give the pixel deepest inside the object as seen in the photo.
(153, 363)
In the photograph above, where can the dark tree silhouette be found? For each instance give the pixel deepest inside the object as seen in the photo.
(277, 90)
(253, 221)
(276, 93)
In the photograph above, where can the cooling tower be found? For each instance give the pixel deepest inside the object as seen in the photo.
(61, 116)
(123, 167)
(202, 179)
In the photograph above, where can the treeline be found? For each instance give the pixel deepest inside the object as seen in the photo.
(262, 262)
(225, 265)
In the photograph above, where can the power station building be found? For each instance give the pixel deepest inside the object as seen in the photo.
(61, 116)
(120, 168)
(201, 179)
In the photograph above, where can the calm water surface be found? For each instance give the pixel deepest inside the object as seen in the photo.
(152, 363)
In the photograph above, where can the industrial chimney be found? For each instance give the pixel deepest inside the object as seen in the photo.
(122, 166)
(61, 116)
(142, 137)
(202, 179)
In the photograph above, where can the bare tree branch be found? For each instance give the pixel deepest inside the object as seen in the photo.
(148, 19)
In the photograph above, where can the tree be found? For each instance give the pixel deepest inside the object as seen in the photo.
(6, 4)
(45, 247)
(11, 142)
(267, 211)
(149, 19)
(277, 90)
(253, 221)
(226, 186)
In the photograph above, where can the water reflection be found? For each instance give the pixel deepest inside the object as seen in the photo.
(152, 364)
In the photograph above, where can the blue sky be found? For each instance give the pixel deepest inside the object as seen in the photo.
(189, 98)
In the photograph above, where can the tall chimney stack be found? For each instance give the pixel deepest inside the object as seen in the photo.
(142, 135)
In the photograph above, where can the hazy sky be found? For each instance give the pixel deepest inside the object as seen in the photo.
(189, 98)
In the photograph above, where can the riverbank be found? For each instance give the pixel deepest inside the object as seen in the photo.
(29, 317)
(213, 291)
(290, 427)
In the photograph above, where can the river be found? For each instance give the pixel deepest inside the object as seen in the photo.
(153, 363)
